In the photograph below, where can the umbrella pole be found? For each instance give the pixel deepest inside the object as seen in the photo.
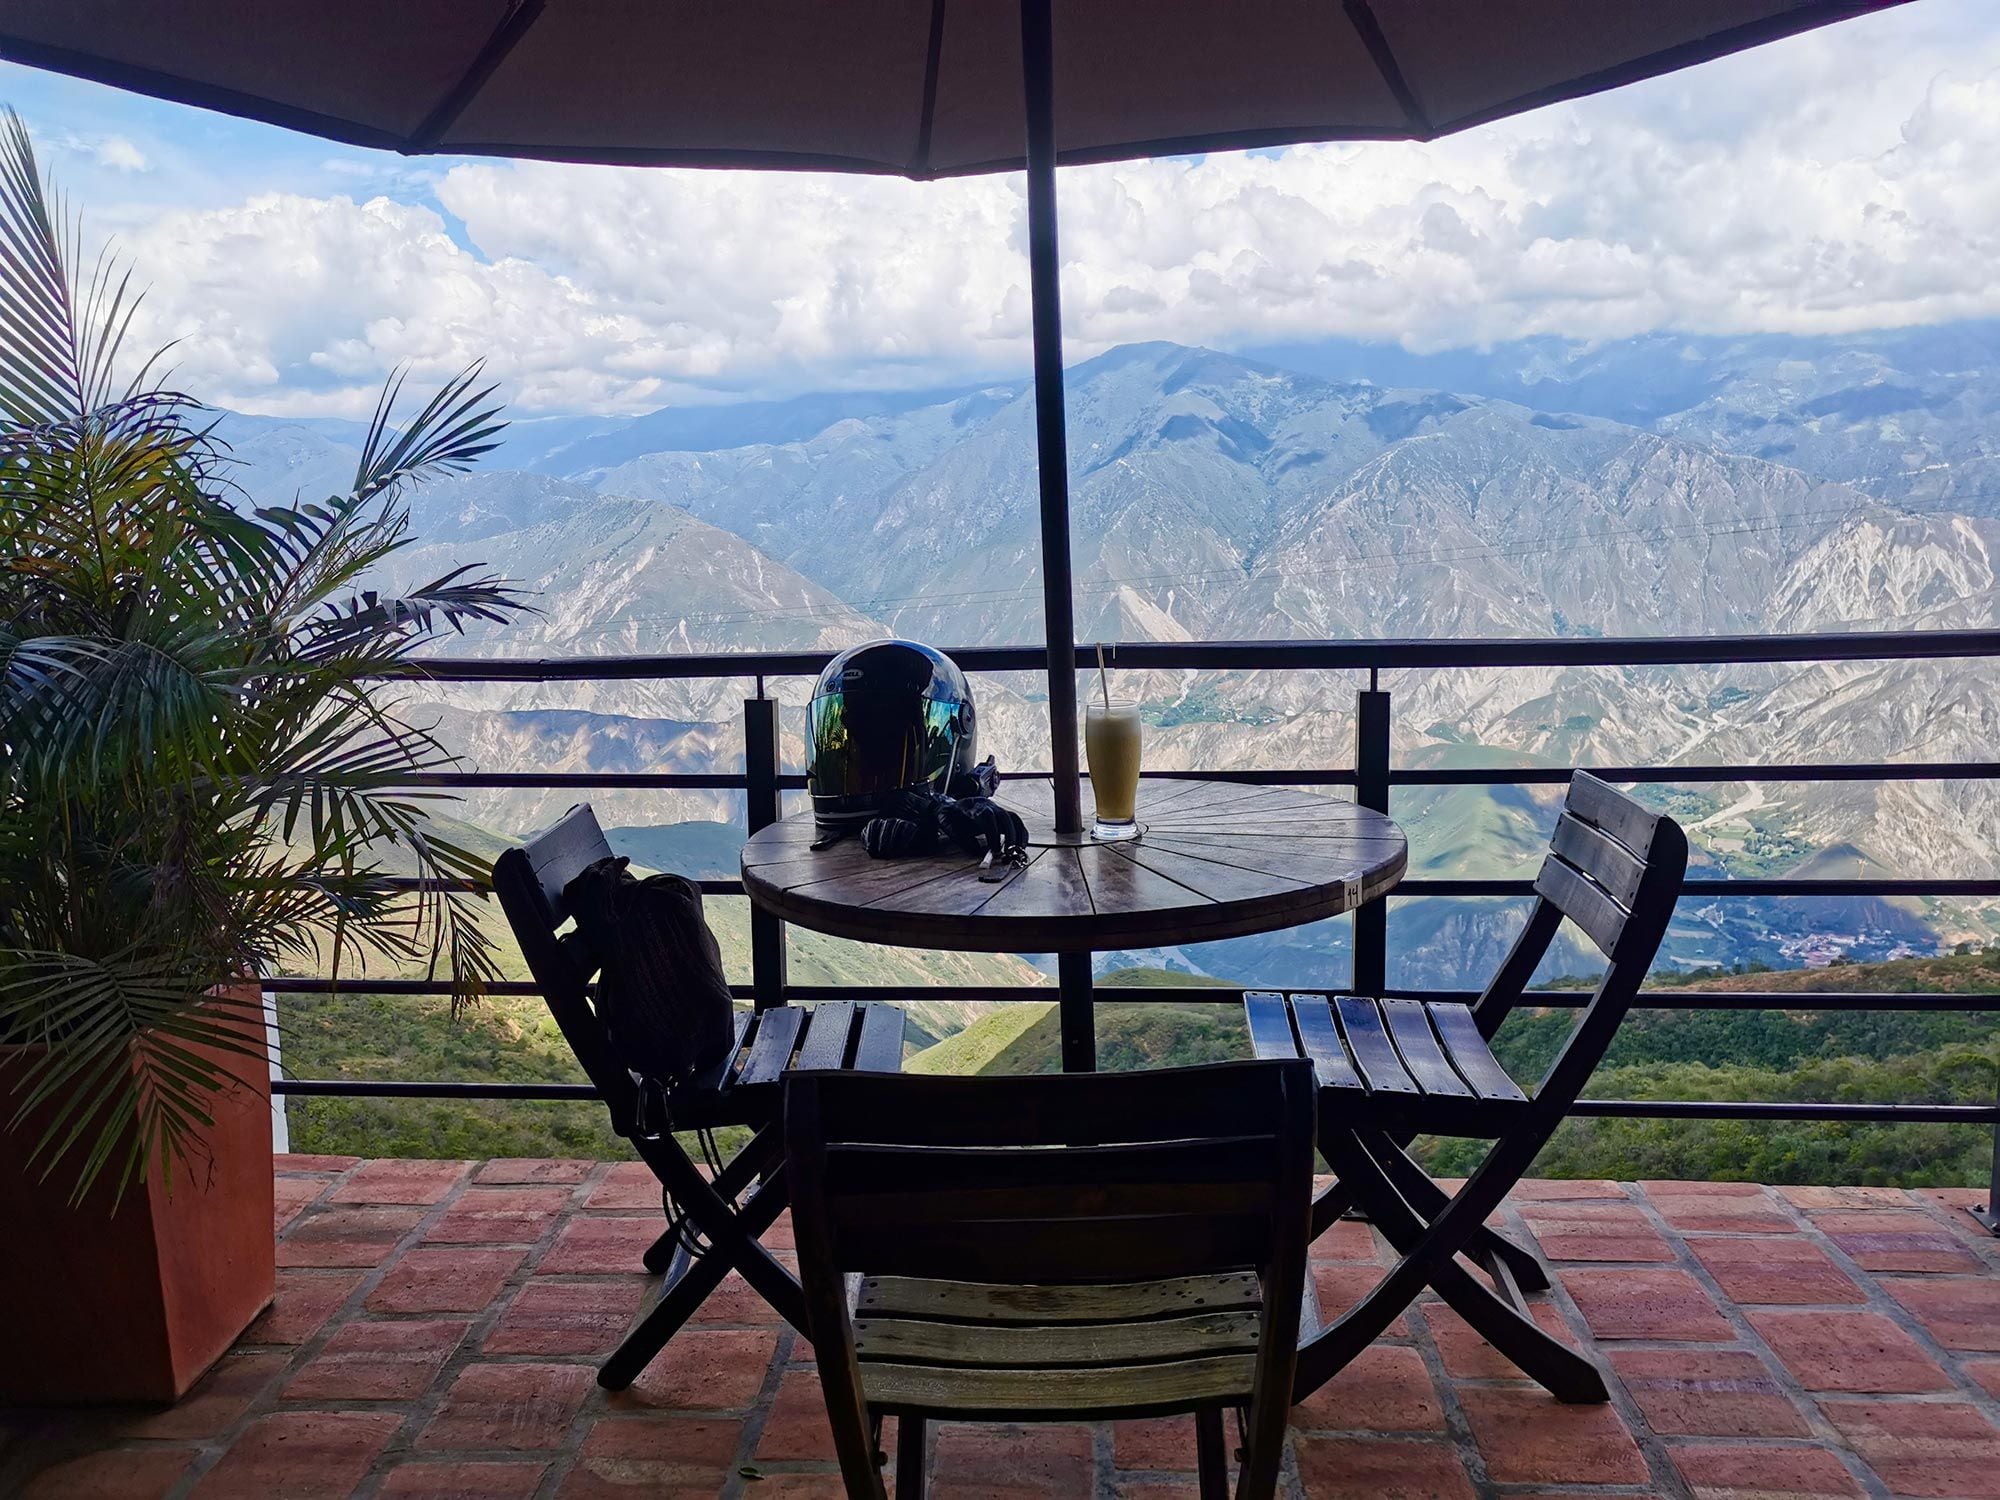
(1051, 435)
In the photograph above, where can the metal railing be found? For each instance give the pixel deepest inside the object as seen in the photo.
(1373, 777)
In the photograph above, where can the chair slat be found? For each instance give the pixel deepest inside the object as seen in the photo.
(1600, 803)
(906, 1296)
(563, 851)
(1195, 1166)
(1224, 1380)
(1470, 1054)
(1425, 1060)
(879, 1048)
(1270, 1027)
(1601, 857)
(1052, 1345)
(771, 1049)
(1321, 1040)
(827, 1035)
(857, 1215)
(1058, 1250)
(1373, 1052)
(1601, 918)
(1047, 1109)
(716, 1075)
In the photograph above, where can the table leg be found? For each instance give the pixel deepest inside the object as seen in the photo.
(1076, 1013)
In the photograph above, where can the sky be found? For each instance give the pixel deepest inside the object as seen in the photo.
(1837, 181)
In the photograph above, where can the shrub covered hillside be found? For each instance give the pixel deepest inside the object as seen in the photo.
(1862, 1056)
(1786, 1055)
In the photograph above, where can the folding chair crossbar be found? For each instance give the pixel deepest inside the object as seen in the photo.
(743, 1088)
(1390, 1069)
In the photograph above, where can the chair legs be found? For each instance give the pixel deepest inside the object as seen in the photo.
(1429, 1243)
(733, 1246)
(910, 1456)
(1211, 1454)
(1488, 1244)
(1428, 1199)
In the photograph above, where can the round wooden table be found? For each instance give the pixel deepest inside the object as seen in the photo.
(1216, 859)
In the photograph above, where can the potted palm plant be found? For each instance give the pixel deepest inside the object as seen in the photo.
(203, 775)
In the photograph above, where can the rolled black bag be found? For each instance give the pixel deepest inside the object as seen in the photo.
(661, 991)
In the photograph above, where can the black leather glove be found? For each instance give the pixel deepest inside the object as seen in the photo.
(981, 826)
(885, 838)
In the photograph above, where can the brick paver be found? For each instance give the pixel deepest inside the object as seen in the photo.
(1649, 1303)
(1960, 1312)
(1849, 1351)
(302, 1455)
(1753, 1473)
(1774, 1269)
(516, 1406)
(1595, 1231)
(1924, 1448)
(1708, 1393)
(567, 1317)
(437, 1328)
(380, 1360)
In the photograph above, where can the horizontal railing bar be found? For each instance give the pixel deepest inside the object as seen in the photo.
(1646, 1109)
(1422, 886)
(387, 1088)
(730, 887)
(1710, 886)
(1356, 655)
(1980, 770)
(1760, 1109)
(730, 780)
(1912, 1002)
(1985, 770)
(1915, 1002)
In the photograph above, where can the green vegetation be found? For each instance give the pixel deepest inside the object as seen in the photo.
(1802, 1056)
(1811, 1056)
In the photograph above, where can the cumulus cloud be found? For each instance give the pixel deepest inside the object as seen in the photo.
(1836, 182)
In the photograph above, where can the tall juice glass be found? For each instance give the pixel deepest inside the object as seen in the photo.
(1111, 746)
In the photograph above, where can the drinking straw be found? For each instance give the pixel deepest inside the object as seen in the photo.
(1103, 682)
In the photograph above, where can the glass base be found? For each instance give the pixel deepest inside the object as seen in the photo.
(1105, 832)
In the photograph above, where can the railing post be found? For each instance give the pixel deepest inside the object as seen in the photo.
(1988, 1213)
(760, 765)
(1371, 789)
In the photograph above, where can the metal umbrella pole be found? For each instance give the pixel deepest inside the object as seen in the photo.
(1051, 434)
(1073, 970)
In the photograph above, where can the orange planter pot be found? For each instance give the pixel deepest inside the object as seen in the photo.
(135, 1305)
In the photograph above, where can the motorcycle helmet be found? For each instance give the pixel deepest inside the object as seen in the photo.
(884, 717)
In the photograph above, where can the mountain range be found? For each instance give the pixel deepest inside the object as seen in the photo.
(1663, 485)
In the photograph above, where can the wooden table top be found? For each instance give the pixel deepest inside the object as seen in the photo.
(1217, 859)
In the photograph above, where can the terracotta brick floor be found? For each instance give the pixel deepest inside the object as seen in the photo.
(437, 1324)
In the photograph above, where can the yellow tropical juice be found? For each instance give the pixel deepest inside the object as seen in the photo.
(1111, 746)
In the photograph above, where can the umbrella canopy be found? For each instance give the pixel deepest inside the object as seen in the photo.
(923, 88)
(920, 87)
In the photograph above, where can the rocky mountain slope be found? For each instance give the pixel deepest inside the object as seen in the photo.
(1659, 486)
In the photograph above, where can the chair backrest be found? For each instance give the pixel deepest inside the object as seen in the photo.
(1614, 868)
(1053, 1180)
(529, 881)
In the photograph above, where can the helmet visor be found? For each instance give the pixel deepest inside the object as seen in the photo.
(866, 744)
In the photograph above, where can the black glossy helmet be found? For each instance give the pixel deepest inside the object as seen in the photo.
(883, 717)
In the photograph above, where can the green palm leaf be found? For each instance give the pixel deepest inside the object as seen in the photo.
(203, 772)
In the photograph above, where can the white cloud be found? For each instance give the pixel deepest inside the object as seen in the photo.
(1836, 182)
(120, 155)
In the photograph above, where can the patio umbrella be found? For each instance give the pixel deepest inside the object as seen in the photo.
(920, 88)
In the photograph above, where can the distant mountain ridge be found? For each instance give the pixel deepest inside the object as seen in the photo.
(1766, 485)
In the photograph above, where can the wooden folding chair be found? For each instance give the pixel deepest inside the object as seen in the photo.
(1075, 1247)
(743, 1089)
(1391, 1069)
